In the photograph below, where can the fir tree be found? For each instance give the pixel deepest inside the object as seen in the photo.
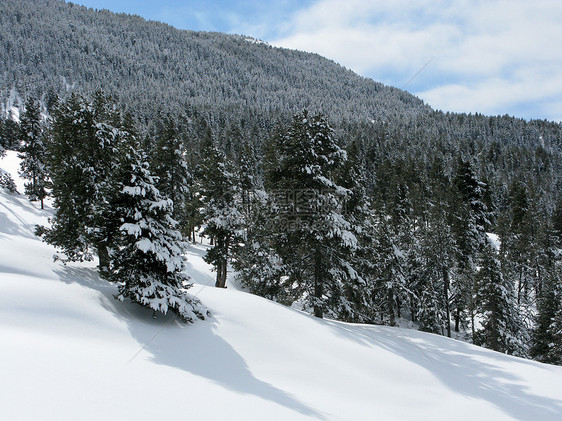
(169, 165)
(33, 149)
(148, 255)
(81, 159)
(312, 235)
(546, 345)
(220, 213)
(7, 182)
(518, 242)
(468, 221)
(3, 141)
(502, 328)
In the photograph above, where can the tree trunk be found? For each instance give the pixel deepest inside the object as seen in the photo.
(318, 292)
(446, 298)
(472, 324)
(103, 255)
(222, 264)
(390, 304)
(222, 268)
(457, 319)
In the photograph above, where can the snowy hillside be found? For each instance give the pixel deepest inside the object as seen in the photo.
(70, 351)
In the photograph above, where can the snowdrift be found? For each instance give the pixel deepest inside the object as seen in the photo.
(70, 351)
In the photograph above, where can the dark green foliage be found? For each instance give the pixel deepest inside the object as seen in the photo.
(546, 335)
(502, 328)
(221, 214)
(147, 254)
(33, 152)
(106, 198)
(9, 135)
(7, 182)
(81, 157)
(169, 165)
(307, 252)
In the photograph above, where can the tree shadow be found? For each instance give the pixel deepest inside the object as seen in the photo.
(462, 368)
(194, 348)
(7, 226)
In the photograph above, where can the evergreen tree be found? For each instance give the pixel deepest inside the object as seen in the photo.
(148, 255)
(33, 149)
(312, 234)
(502, 328)
(258, 265)
(81, 157)
(517, 242)
(468, 221)
(169, 165)
(7, 182)
(439, 253)
(221, 215)
(546, 345)
(546, 339)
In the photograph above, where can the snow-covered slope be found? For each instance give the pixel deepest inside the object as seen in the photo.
(69, 350)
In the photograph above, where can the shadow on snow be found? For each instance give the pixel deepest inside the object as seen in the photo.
(194, 348)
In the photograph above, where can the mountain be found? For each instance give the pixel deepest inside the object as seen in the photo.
(49, 46)
(71, 351)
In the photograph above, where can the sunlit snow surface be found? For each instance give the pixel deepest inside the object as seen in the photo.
(70, 351)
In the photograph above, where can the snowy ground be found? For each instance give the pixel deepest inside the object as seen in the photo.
(69, 351)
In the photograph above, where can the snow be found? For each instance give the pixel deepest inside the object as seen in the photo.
(494, 240)
(70, 351)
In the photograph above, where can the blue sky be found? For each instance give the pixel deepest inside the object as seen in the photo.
(492, 57)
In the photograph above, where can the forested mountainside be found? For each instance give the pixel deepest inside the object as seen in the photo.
(368, 207)
(52, 46)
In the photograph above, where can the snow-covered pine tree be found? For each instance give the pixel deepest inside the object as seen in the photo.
(502, 328)
(517, 241)
(358, 289)
(33, 150)
(221, 216)
(546, 337)
(258, 266)
(148, 255)
(313, 236)
(81, 159)
(436, 271)
(389, 276)
(7, 182)
(9, 135)
(468, 218)
(246, 176)
(168, 164)
(438, 251)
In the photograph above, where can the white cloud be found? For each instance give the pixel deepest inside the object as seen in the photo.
(494, 57)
